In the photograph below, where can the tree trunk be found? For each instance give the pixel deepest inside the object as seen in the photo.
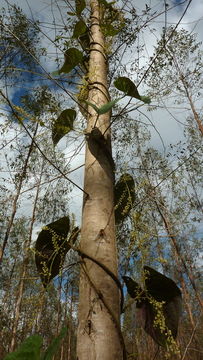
(99, 335)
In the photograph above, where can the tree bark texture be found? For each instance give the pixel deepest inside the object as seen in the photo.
(99, 335)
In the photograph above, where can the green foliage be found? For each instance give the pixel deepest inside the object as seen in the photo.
(124, 197)
(104, 108)
(109, 30)
(79, 6)
(28, 350)
(51, 248)
(79, 29)
(159, 304)
(129, 88)
(84, 41)
(63, 125)
(53, 347)
(73, 57)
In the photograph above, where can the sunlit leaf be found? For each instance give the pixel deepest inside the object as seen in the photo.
(79, 29)
(124, 197)
(51, 247)
(79, 6)
(63, 125)
(145, 99)
(53, 347)
(130, 89)
(161, 290)
(28, 350)
(73, 57)
(104, 108)
(92, 105)
(55, 73)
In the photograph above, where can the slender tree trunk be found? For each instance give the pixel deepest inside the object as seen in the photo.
(24, 271)
(19, 187)
(99, 335)
(162, 209)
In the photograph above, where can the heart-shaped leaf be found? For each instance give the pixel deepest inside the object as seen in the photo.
(79, 29)
(127, 86)
(161, 299)
(130, 89)
(51, 247)
(73, 57)
(63, 125)
(124, 197)
(79, 6)
(84, 41)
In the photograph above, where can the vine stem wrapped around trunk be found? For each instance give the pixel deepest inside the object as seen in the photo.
(99, 336)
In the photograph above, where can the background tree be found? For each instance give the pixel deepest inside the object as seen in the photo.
(163, 227)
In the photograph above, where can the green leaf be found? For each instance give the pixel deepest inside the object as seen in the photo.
(72, 58)
(108, 106)
(104, 108)
(162, 290)
(109, 30)
(49, 247)
(63, 125)
(79, 6)
(79, 29)
(28, 350)
(106, 4)
(84, 41)
(124, 197)
(130, 89)
(55, 73)
(127, 86)
(71, 13)
(53, 347)
(145, 99)
(92, 105)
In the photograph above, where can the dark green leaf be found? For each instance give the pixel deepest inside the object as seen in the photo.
(63, 125)
(71, 13)
(73, 57)
(159, 286)
(84, 41)
(127, 86)
(79, 29)
(160, 289)
(130, 89)
(79, 6)
(28, 350)
(124, 197)
(51, 247)
(134, 290)
(53, 347)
